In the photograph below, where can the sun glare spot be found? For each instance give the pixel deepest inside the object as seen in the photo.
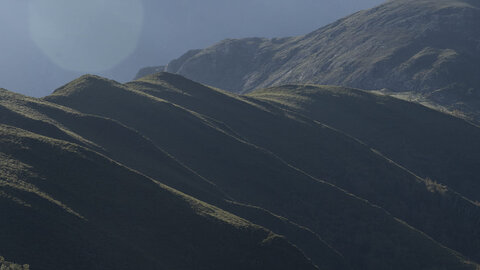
(88, 35)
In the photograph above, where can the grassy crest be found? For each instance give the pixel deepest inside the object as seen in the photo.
(165, 173)
(237, 144)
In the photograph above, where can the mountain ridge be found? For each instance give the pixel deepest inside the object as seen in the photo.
(164, 90)
(227, 153)
(219, 108)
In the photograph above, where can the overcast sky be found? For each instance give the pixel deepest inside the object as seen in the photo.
(47, 43)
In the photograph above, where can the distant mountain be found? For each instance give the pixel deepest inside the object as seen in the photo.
(149, 70)
(427, 49)
(167, 173)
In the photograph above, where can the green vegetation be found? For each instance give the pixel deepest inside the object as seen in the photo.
(124, 216)
(434, 145)
(165, 173)
(186, 113)
(323, 147)
(420, 142)
(4, 265)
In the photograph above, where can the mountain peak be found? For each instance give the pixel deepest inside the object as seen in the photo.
(170, 81)
(85, 83)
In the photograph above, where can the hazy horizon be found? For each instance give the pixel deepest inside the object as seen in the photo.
(47, 43)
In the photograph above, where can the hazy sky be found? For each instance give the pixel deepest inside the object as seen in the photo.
(46, 43)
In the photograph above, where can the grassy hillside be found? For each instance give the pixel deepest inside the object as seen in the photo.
(239, 146)
(334, 156)
(66, 207)
(105, 136)
(428, 49)
(165, 173)
(433, 145)
(141, 154)
(433, 150)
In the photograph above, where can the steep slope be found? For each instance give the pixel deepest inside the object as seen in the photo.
(134, 150)
(105, 136)
(431, 144)
(66, 207)
(250, 173)
(339, 158)
(428, 48)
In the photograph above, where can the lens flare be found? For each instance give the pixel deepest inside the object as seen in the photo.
(87, 35)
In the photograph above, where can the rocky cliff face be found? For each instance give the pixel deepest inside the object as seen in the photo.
(430, 48)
